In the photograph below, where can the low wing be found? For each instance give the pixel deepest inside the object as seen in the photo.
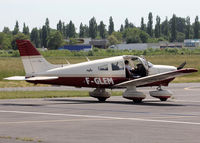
(41, 78)
(31, 78)
(16, 78)
(155, 78)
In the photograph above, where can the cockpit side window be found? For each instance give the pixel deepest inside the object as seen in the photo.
(117, 66)
(103, 67)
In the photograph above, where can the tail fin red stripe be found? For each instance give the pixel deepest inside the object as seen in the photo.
(26, 48)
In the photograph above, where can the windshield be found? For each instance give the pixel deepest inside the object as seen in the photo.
(150, 64)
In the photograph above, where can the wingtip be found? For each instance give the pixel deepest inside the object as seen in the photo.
(188, 70)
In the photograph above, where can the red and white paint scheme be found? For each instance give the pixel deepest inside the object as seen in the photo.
(100, 74)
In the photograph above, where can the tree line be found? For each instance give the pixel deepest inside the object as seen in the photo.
(175, 29)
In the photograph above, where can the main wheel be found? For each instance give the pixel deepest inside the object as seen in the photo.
(139, 100)
(102, 99)
(163, 99)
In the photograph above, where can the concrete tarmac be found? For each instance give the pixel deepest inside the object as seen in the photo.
(84, 120)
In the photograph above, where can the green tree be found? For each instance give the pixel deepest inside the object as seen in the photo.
(180, 36)
(81, 31)
(35, 37)
(64, 30)
(47, 26)
(173, 28)
(180, 24)
(6, 30)
(2, 35)
(72, 41)
(60, 26)
(16, 28)
(150, 25)
(111, 26)
(70, 30)
(126, 25)
(102, 30)
(86, 31)
(196, 28)
(132, 35)
(5, 41)
(188, 27)
(25, 29)
(118, 36)
(93, 28)
(44, 35)
(142, 26)
(157, 27)
(19, 36)
(112, 40)
(55, 40)
(144, 36)
(135, 35)
(131, 25)
(165, 28)
(121, 28)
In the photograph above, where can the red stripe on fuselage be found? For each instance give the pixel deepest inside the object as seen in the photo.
(94, 82)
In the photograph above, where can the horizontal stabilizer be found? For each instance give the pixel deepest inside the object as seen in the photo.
(15, 78)
(31, 78)
(41, 78)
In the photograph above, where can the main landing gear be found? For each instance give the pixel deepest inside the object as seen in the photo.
(132, 94)
(163, 95)
(101, 94)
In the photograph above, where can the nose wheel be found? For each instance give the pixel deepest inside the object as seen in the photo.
(161, 94)
(163, 99)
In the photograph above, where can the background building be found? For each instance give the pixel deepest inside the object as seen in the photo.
(192, 42)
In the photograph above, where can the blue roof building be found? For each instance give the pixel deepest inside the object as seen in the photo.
(76, 47)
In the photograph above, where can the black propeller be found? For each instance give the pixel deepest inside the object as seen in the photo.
(181, 66)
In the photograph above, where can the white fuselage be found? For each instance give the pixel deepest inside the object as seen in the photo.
(156, 69)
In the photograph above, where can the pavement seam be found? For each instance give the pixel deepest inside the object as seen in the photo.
(102, 117)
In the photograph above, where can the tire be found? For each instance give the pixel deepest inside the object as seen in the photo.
(102, 99)
(163, 99)
(137, 100)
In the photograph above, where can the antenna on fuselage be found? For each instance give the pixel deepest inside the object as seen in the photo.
(67, 61)
(87, 58)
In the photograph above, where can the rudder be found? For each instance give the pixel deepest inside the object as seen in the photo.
(32, 60)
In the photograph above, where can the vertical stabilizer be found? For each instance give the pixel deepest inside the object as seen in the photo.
(32, 60)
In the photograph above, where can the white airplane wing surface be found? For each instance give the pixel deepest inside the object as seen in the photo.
(156, 78)
(15, 78)
(41, 78)
(31, 78)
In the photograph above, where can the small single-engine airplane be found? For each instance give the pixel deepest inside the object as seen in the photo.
(105, 73)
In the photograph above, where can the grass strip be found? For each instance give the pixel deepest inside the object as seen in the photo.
(48, 94)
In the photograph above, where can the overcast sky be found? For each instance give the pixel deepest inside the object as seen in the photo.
(34, 12)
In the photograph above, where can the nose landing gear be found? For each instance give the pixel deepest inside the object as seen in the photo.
(163, 95)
